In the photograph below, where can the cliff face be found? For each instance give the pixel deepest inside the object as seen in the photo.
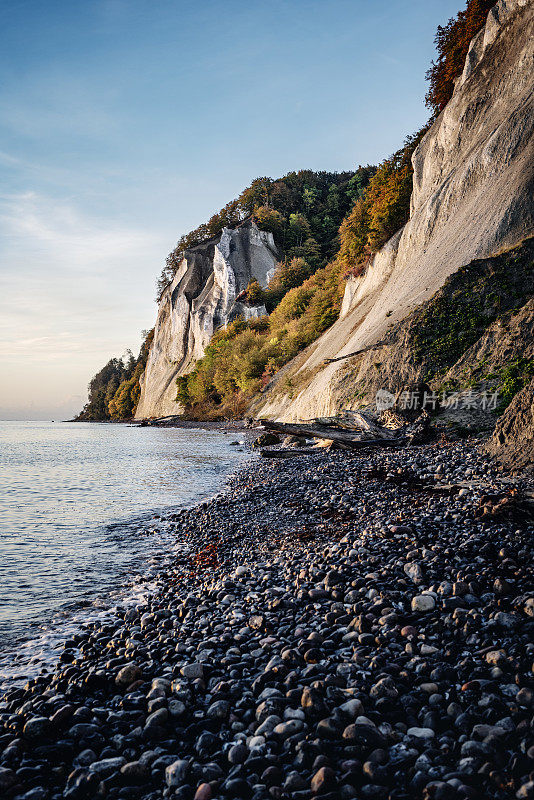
(201, 299)
(472, 196)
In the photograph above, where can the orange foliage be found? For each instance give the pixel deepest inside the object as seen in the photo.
(452, 43)
(381, 211)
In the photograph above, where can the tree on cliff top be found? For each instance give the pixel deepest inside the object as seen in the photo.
(303, 209)
(452, 43)
(114, 391)
(382, 208)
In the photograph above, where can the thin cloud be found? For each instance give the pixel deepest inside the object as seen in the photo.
(8, 160)
(59, 232)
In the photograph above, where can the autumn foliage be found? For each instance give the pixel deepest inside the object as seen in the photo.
(326, 227)
(452, 43)
(114, 391)
(303, 211)
(383, 208)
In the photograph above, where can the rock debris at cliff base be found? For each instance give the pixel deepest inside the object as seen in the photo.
(339, 628)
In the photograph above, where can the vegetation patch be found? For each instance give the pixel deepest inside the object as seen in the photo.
(303, 210)
(471, 299)
(302, 299)
(114, 391)
(381, 210)
(452, 43)
(512, 379)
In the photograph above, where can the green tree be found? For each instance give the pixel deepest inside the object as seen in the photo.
(323, 198)
(114, 392)
(310, 197)
(267, 219)
(299, 230)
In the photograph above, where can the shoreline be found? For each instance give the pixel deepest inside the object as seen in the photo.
(70, 553)
(340, 626)
(171, 422)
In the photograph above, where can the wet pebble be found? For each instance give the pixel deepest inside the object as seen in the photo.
(330, 634)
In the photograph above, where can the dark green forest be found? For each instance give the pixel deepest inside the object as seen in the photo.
(114, 391)
(303, 210)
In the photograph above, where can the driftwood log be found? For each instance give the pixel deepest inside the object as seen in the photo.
(290, 452)
(359, 421)
(352, 439)
(366, 423)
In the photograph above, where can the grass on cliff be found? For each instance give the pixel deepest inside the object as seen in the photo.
(512, 379)
(469, 302)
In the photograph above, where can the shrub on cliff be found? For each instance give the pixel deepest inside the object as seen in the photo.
(255, 294)
(124, 401)
(243, 357)
(267, 219)
(382, 208)
(289, 274)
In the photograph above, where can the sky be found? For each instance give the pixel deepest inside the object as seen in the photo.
(126, 123)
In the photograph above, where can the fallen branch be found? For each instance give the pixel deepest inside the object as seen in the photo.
(359, 421)
(161, 421)
(366, 423)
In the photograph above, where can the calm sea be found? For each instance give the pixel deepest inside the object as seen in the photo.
(79, 526)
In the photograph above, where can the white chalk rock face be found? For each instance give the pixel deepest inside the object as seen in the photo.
(201, 299)
(472, 196)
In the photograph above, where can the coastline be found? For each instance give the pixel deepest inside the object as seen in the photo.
(84, 520)
(343, 626)
(226, 426)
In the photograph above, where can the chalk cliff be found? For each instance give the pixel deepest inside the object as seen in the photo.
(472, 197)
(202, 298)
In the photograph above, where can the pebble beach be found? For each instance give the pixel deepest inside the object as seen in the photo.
(338, 625)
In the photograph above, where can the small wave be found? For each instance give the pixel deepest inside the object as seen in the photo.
(36, 651)
(38, 654)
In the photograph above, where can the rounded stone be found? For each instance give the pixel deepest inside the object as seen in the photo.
(423, 603)
(128, 675)
(37, 728)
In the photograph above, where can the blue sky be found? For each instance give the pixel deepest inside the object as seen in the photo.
(125, 123)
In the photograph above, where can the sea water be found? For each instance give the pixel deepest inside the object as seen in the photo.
(82, 521)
